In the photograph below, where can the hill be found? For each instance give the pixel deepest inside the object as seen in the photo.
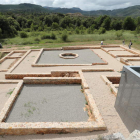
(23, 7)
(133, 11)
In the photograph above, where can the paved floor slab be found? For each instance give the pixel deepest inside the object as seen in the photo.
(86, 56)
(49, 103)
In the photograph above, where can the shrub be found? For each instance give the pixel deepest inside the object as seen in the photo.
(37, 39)
(64, 36)
(23, 34)
(34, 34)
(53, 36)
(119, 34)
(82, 32)
(102, 30)
(27, 30)
(138, 29)
(45, 37)
(70, 32)
(77, 31)
(89, 31)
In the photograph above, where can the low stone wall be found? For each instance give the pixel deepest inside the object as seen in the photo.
(81, 47)
(97, 69)
(22, 75)
(65, 73)
(112, 81)
(109, 46)
(52, 80)
(122, 60)
(52, 74)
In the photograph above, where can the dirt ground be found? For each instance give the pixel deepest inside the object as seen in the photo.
(102, 95)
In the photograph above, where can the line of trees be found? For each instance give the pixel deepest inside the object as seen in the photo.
(11, 23)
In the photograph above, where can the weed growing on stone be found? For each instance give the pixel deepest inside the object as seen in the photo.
(86, 102)
(111, 90)
(10, 92)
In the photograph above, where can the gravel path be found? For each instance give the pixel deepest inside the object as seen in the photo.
(16, 54)
(121, 52)
(135, 63)
(105, 101)
(6, 63)
(86, 56)
(49, 103)
(116, 48)
(4, 90)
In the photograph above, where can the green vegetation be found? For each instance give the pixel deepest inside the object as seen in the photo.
(10, 91)
(29, 109)
(64, 36)
(56, 30)
(23, 34)
(2, 54)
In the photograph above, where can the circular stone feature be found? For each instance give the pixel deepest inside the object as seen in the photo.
(68, 55)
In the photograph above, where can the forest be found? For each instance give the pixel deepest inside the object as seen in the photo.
(26, 28)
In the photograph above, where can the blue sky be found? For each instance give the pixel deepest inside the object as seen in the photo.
(83, 4)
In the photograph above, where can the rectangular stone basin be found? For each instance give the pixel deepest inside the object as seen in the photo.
(49, 103)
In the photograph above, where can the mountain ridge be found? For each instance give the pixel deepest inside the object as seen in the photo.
(133, 11)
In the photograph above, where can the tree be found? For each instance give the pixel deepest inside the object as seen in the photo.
(129, 24)
(100, 20)
(66, 21)
(14, 23)
(138, 21)
(55, 19)
(7, 30)
(102, 30)
(106, 23)
(116, 24)
(138, 29)
(55, 25)
(48, 21)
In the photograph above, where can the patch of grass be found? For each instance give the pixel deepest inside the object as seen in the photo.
(10, 91)
(30, 108)
(110, 37)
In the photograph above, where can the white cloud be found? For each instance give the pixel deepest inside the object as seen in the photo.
(83, 4)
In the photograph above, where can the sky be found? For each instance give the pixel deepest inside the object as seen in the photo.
(86, 5)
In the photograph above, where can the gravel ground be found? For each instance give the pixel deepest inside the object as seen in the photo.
(135, 63)
(16, 54)
(105, 101)
(86, 56)
(6, 63)
(116, 48)
(49, 103)
(4, 90)
(121, 52)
